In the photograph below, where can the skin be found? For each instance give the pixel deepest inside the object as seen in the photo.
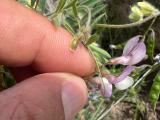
(50, 85)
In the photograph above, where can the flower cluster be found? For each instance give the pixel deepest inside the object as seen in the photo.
(141, 10)
(133, 52)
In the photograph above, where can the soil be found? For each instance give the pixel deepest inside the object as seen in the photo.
(126, 111)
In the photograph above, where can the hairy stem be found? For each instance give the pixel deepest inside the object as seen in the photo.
(130, 24)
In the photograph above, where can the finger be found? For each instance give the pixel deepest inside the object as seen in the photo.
(28, 38)
(44, 97)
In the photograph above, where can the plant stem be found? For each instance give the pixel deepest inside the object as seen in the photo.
(145, 75)
(98, 68)
(97, 111)
(130, 24)
(150, 26)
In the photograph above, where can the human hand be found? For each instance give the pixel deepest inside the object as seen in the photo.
(38, 55)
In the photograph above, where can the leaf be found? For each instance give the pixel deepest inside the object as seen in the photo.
(74, 8)
(60, 6)
(68, 27)
(99, 9)
(100, 59)
(70, 4)
(96, 20)
(32, 2)
(92, 39)
(90, 3)
(100, 51)
(42, 5)
(25, 2)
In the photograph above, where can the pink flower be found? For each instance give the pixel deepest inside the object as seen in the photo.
(104, 85)
(106, 88)
(121, 82)
(133, 52)
(115, 79)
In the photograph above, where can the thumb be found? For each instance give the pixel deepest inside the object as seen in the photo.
(49, 96)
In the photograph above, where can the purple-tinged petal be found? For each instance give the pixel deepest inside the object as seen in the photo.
(125, 73)
(111, 78)
(106, 88)
(124, 60)
(133, 52)
(138, 53)
(115, 79)
(130, 45)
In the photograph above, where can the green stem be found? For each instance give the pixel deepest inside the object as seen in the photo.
(150, 26)
(98, 67)
(146, 74)
(130, 24)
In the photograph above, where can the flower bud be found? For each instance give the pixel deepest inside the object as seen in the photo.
(136, 14)
(146, 8)
(106, 88)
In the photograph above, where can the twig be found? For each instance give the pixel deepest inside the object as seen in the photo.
(130, 24)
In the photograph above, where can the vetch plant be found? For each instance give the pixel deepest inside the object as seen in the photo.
(81, 18)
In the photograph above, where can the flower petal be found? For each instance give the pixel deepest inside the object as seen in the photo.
(130, 45)
(124, 60)
(138, 53)
(106, 88)
(125, 73)
(124, 84)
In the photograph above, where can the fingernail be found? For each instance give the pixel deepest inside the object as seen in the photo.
(73, 100)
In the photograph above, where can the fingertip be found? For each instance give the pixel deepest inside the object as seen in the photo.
(29, 38)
